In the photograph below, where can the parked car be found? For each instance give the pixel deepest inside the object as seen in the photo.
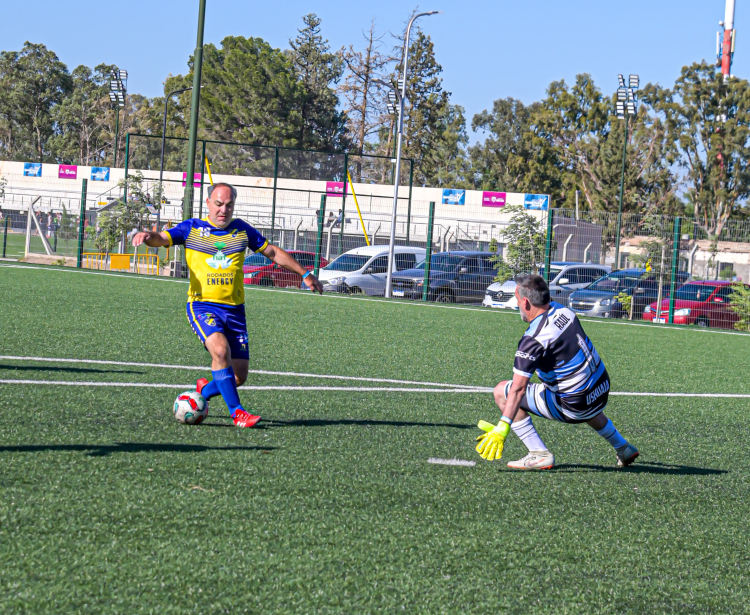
(364, 270)
(458, 276)
(261, 270)
(702, 303)
(600, 298)
(565, 278)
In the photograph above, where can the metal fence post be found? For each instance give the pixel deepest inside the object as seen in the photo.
(127, 162)
(319, 241)
(275, 183)
(81, 225)
(408, 209)
(343, 203)
(675, 265)
(548, 245)
(428, 255)
(5, 234)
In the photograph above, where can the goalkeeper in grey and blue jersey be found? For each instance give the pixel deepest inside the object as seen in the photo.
(574, 388)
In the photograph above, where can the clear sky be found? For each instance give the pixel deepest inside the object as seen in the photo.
(489, 49)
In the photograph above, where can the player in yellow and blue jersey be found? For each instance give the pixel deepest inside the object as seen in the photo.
(215, 252)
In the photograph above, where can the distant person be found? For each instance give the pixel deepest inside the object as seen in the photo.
(330, 220)
(574, 388)
(339, 219)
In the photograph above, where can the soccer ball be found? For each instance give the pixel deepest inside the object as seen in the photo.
(190, 408)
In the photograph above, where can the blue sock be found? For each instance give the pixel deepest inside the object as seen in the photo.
(210, 390)
(227, 385)
(610, 434)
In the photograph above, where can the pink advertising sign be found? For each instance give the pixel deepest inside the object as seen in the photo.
(334, 188)
(493, 199)
(67, 171)
(196, 179)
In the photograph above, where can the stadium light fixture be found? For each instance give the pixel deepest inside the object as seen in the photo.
(117, 89)
(621, 80)
(625, 106)
(622, 94)
(399, 141)
(633, 81)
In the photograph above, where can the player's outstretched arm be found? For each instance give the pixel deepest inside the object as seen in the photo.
(491, 443)
(151, 239)
(287, 261)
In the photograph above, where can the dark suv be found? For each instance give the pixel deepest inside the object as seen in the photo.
(458, 276)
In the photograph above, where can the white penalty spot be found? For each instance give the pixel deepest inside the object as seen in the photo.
(451, 462)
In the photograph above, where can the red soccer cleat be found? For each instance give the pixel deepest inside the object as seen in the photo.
(243, 419)
(200, 383)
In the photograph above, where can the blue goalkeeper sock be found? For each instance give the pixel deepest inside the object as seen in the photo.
(210, 390)
(227, 385)
(610, 434)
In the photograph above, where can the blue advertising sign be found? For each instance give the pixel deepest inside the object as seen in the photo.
(536, 201)
(100, 174)
(32, 169)
(454, 197)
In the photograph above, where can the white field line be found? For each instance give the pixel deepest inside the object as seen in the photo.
(252, 371)
(452, 462)
(188, 387)
(482, 390)
(598, 321)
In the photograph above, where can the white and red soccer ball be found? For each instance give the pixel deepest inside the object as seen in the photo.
(190, 408)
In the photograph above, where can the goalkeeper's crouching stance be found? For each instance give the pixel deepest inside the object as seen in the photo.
(574, 389)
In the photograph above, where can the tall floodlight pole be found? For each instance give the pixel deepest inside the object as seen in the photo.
(399, 139)
(187, 203)
(725, 47)
(118, 88)
(626, 106)
(161, 163)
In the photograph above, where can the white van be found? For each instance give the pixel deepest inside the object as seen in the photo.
(364, 270)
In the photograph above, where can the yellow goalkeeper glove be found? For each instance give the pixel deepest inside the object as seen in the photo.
(491, 443)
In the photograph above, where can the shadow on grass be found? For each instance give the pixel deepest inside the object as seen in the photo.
(76, 370)
(360, 422)
(102, 450)
(643, 467)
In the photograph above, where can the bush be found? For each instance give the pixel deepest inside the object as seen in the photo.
(739, 303)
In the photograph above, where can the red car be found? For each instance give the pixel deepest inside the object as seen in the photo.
(260, 270)
(702, 303)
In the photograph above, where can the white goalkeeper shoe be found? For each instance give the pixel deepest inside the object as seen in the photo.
(535, 460)
(626, 455)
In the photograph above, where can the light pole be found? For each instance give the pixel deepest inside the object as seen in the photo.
(399, 139)
(187, 203)
(118, 87)
(625, 107)
(161, 164)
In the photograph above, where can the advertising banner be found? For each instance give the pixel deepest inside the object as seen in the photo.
(100, 174)
(67, 171)
(196, 179)
(32, 169)
(454, 197)
(334, 188)
(493, 199)
(536, 201)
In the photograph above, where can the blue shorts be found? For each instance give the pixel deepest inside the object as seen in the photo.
(207, 318)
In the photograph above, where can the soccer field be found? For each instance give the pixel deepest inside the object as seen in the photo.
(108, 505)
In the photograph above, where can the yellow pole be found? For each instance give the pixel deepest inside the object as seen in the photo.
(354, 194)
(208, 166)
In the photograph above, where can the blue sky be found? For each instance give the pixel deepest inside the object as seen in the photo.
(488, 49)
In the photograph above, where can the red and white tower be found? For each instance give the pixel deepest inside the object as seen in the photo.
(725, 41)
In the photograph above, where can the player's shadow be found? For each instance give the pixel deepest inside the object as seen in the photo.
(76, 370)
(642, 467)
(359, 422)
(103, 450)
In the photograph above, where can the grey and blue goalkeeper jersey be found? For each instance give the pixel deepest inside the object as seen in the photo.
(556, 347)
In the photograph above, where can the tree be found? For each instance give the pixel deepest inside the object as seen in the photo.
(322, 125)
(80, 118)
(739, 303)
(709, 122)
(365, 96)
(525, 241)
(123, 216)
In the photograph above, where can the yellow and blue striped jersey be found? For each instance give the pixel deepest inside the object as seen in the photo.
(215, 257)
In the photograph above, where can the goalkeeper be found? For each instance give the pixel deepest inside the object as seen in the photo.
(215, 252)
(574, 389)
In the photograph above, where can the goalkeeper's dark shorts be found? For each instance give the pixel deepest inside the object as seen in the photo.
(541, 401)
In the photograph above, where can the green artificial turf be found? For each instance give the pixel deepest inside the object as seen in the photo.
(107, 505)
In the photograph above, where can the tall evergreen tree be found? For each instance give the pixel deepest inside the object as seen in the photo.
(322, 125)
